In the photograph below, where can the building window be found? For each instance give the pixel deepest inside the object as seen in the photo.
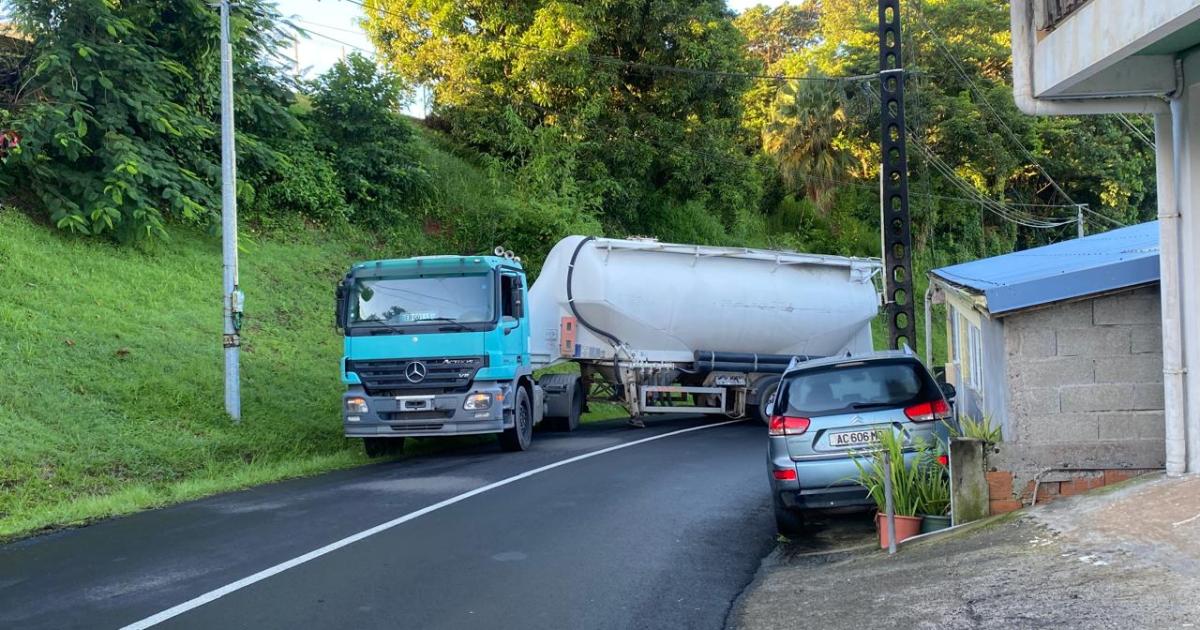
(975, 356)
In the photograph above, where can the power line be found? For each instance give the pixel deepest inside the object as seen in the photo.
(1136, 132)
(979, 95)
(616, 61)
(338, 41)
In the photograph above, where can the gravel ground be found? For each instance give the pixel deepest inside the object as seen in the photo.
(1113, 559)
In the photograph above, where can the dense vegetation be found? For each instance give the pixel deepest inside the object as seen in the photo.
(671, 118)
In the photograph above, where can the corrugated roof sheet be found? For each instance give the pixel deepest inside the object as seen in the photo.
(1094, 264)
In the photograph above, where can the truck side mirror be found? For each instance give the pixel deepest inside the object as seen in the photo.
(343, 290)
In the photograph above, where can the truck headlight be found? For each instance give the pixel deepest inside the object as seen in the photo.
(356, 405)
(478, 402)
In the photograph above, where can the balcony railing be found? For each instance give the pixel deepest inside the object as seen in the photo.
(1055, 11)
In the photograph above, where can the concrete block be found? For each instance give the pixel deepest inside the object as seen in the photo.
(1127, 309)
(1052, 372)
(968, 485)
(1063, 427)
(1095, 341)
(1032, 401)
(1107, 397)
(1149, 397)
(1037, 343)
(1026, 459)
(1070, 315)
(1130, 425)
(1142, 368)
(1146, 339)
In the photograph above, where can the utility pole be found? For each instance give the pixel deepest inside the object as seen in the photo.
(231, 296)
(1079, 218)
(895, 224)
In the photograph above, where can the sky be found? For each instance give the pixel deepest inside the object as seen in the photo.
(334, 32)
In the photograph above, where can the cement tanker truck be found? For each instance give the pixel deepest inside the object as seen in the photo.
(448, 345)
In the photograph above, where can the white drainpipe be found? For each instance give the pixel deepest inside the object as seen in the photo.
(1022, 53)
(1168, 264)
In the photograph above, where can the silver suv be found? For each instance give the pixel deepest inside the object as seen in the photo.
(827, 410)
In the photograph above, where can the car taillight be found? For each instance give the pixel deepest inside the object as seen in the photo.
(928, 411)
(787, 474)
(787, 425)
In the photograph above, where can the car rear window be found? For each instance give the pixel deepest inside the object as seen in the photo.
(858, 386)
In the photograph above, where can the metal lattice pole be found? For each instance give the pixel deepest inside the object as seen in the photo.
(895, 223)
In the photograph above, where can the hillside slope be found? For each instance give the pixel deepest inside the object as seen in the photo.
(111, 394)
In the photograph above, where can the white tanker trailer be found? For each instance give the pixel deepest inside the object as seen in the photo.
(669, 328)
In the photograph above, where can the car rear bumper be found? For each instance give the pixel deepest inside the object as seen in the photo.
(822, 483)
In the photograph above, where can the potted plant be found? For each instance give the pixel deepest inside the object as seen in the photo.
(934, 490)
(906, 499)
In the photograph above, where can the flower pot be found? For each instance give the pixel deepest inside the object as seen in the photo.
(931, 523)
(906, 527)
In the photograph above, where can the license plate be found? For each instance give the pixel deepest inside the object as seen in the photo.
(853, 438)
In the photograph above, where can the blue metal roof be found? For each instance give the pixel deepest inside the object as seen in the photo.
(1094, 264)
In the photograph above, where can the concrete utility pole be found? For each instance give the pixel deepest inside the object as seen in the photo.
(1079, 219)
(231, 296)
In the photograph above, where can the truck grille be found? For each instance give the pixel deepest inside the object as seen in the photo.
(398, 377)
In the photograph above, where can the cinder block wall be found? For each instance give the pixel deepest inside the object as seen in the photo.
(1084, 391)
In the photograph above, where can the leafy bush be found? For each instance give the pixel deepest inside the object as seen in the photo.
(298, 180)
(981, 429)
(371, 147)
(118, 113)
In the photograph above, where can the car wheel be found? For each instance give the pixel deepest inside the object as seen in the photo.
(378, 447)
(521, 434)
(788, 522)
(766, 391)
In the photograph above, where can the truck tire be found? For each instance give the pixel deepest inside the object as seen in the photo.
(764, 391)
(521, 434)
(788, 522)
(380, 446)
(575, 412)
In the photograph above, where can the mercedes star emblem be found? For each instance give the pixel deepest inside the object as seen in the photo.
(415, 372)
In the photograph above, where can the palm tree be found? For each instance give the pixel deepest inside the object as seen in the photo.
(807, 121)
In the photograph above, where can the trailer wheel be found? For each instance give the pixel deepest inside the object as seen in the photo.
(521, 434)
(379, 447)
(765, 388)
(571, 422)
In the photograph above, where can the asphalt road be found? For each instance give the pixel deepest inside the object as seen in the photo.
(662, 534)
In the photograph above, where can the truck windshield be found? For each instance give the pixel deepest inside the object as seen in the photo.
(406, 301)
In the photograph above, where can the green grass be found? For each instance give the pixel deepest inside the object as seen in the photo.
(111, 388)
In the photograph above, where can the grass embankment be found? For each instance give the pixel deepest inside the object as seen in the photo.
(111, 393)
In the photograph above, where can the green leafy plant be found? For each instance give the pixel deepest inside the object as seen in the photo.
(905, 479)
(933, 483)
(981, 429)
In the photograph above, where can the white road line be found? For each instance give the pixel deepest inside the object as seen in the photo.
(218, 593)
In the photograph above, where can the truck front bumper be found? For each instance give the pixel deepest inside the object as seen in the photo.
(426, 415)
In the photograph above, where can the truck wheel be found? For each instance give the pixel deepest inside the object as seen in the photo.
(788, 522)
(766, 391)
(521, 434)
(378, 447)
(571, 422)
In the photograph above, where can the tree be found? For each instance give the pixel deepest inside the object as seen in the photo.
(117, 114)
(595, 81)
(372, 148)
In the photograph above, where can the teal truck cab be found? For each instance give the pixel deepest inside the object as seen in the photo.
(437, 346)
